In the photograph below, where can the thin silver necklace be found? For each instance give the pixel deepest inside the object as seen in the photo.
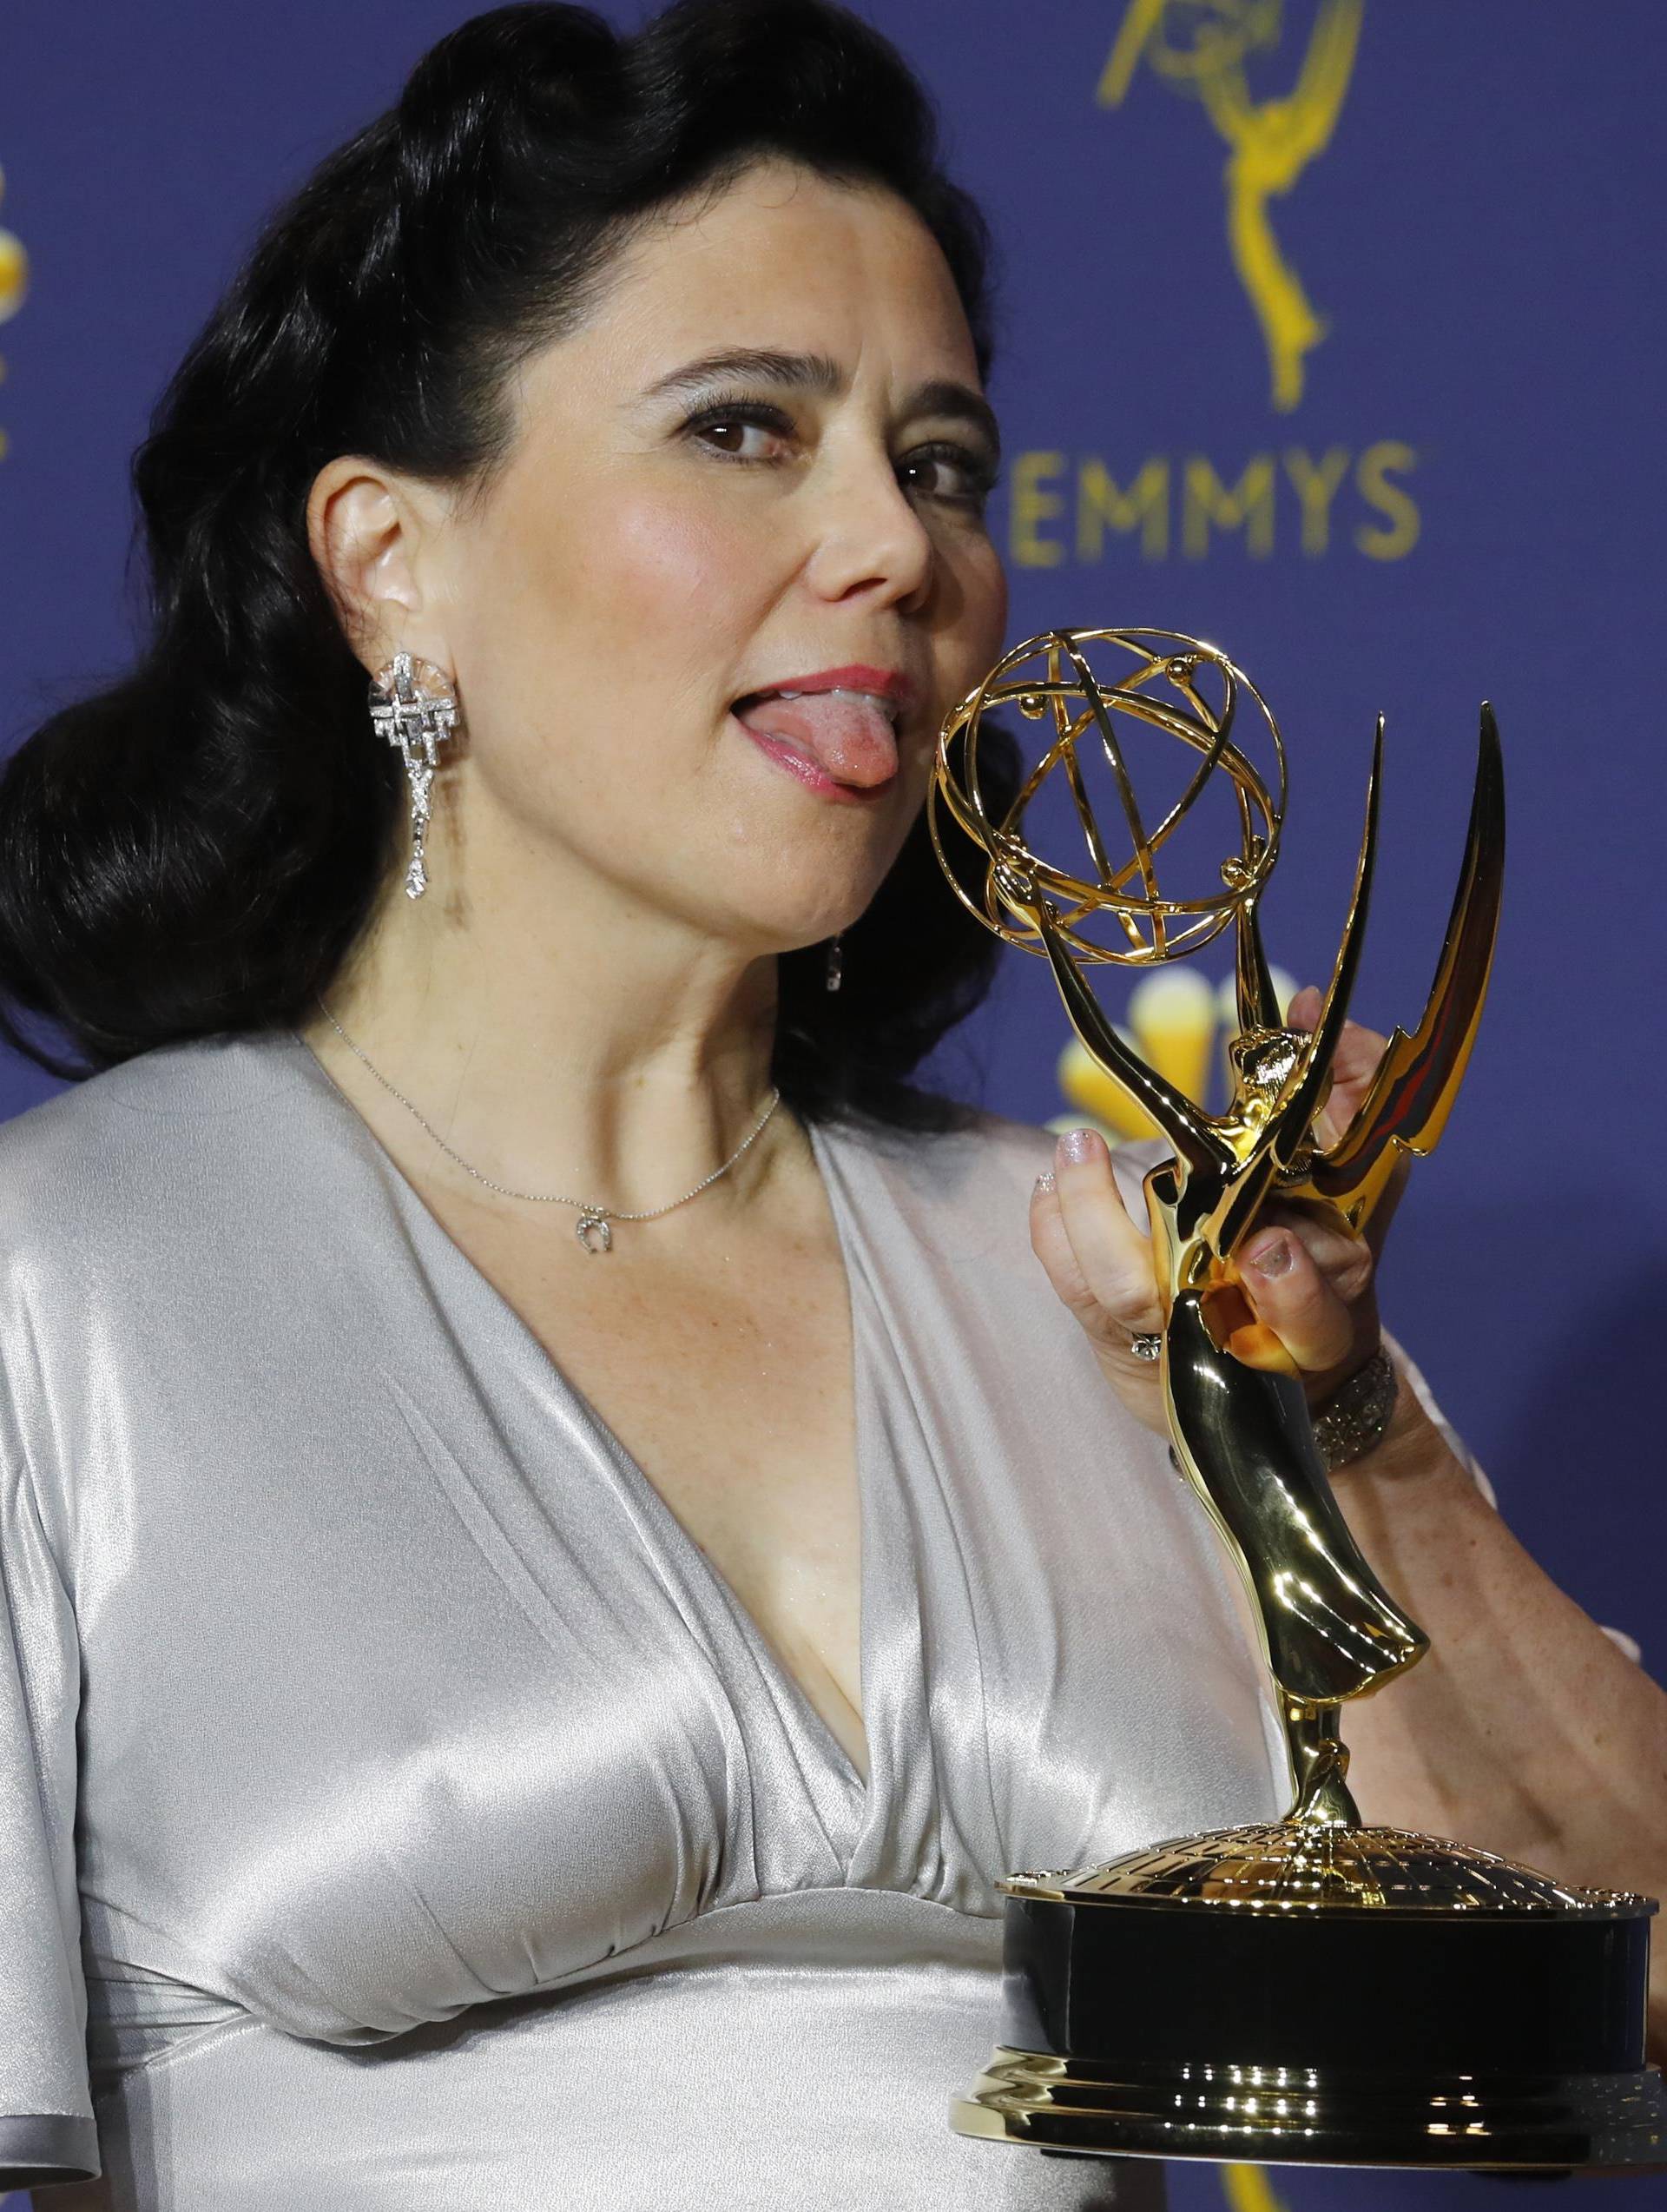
(594, 1229)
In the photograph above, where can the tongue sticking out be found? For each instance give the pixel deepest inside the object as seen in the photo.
(848, 737)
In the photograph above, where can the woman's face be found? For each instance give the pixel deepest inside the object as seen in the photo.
(759, 466)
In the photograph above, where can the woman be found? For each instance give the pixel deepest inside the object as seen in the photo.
(505, 1715)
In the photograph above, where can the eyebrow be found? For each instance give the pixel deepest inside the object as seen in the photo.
(818, 373)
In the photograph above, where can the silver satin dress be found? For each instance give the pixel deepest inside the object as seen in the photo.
(398, 1812)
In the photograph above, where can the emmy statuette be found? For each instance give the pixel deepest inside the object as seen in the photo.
(1311, 1990)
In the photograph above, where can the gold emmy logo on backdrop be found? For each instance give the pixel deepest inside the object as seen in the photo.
(1315, 1988)
(14, 268)
(1200, 47)
(14, 284)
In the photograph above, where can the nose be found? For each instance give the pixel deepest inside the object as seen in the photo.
(871, 543)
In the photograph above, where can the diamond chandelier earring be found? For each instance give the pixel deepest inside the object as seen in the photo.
(413, 706)
(834, 969)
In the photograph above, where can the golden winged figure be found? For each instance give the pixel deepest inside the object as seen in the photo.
(1238, 1420)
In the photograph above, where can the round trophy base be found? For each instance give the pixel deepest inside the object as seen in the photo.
(1320, 1993)
(1319, 2116)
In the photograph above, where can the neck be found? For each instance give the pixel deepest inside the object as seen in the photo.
(618, 1057)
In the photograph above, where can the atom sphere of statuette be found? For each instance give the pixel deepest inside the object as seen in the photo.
(1150, 731)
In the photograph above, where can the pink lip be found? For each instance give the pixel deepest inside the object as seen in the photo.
(884, 682)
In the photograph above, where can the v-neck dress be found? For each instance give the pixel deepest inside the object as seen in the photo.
(397, 1811)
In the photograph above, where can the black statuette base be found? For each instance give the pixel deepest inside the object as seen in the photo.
(1377, 2037)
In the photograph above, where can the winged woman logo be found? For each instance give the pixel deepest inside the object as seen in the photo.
(14, 268)
(14, 283)
(1201, 48)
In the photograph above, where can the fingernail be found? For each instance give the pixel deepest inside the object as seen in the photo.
(1271, 1256)
(1044, 1184)
(1077, 1145)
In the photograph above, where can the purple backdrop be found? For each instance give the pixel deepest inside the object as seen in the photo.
(1346, 358)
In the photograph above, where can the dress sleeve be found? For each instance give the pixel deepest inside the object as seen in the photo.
(47, 2132)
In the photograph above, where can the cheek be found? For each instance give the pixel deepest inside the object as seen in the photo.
(663, 573)
(989, 598)
(618, 593)
(619, 623)
(977, 628)
(678, 589)
(998, 598)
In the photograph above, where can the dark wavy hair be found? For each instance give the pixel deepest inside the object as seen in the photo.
(196, 849)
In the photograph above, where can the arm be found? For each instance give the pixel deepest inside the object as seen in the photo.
(1527, 1730)
(46, 2131)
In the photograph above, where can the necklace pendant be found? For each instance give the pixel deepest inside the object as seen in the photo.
(595, 1224)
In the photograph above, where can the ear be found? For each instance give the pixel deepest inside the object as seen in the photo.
(372, 533)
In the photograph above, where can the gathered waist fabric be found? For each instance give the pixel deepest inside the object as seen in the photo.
(798, 2052)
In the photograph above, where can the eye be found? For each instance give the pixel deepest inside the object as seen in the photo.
(740, 429)
(947, 471)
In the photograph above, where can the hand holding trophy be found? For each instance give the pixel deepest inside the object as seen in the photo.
(1312, 1989)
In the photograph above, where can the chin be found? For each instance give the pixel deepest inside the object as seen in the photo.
(784, 863)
